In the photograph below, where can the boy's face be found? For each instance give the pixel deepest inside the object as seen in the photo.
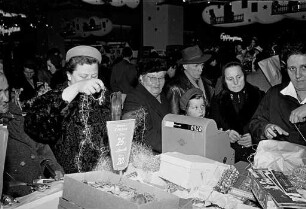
(196, 108)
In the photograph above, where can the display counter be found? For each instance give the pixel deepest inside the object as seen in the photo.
(47, 199)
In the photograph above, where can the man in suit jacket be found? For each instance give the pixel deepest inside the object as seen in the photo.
(124, 74)
(192, 60)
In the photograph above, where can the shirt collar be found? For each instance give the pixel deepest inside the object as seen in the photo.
(290, 91)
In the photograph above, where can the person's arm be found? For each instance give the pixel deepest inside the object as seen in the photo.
(48, 159)
(260, 119)
(131, 105)
(43, 120)
(88, 87)
(298, 115)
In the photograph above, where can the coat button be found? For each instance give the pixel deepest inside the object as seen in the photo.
(22, 163)
(32, 156)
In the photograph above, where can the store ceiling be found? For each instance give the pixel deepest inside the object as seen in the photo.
(30, 6)
(37, 6)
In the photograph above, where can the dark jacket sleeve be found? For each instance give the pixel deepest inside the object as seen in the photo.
(173, 96)
(45, 153)
(260, 119)
(43, 119)
(129, 80)
(131, 104)
(215, 112)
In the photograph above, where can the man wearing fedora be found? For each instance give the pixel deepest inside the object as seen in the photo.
(192, 62)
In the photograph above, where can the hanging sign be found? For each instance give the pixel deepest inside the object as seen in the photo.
(225, 37)
(120, 136)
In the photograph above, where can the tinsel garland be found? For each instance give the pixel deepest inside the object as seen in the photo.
(228, 178)
(142, 156)
(298, 177)
(86, 143)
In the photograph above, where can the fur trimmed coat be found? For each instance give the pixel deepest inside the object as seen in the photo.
(76, 131)
(226, 117)
(155, 111)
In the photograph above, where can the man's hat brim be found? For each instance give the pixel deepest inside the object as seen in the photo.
(199, 60)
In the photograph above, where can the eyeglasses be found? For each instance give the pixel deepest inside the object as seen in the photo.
(156, 79)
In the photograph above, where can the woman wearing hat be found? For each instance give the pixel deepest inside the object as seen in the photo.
(148, 96)
(233, 108)
(71, 118)
(192, 61)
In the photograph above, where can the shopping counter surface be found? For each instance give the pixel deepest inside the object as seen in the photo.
(47, 199)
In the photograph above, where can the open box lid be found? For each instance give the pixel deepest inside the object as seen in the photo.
(188, 161)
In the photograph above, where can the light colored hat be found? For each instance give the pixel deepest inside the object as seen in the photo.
(84, 51)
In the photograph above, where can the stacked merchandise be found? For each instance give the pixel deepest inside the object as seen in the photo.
(242, 188)
(272, 189)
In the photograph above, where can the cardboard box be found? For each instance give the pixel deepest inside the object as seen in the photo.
(269, 193)
(86, 196)
(262, 195)
(65, 204)
(190, 171)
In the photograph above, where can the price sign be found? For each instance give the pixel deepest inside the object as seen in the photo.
(120, 136)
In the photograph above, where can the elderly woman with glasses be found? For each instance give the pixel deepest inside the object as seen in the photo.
(148, 103)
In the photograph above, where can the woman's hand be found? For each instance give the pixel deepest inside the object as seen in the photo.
(272, 130)
(298, 115)
(90, 86)
(15, 96)
(58, 175)
(245, 140)
(233, 135)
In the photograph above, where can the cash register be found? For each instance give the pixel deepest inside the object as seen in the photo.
(196, 136)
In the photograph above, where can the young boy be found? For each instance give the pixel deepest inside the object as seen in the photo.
(193, 103)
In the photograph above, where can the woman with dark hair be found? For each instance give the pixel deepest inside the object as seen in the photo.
(72, 118)
(28, 83)
(233, 108)
(54, 64)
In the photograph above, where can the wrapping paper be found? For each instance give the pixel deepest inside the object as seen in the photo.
(279, 155)
(271, 69)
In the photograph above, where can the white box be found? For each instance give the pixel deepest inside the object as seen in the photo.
(190, 171)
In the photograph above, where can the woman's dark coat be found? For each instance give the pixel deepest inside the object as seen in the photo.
(223, 112)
